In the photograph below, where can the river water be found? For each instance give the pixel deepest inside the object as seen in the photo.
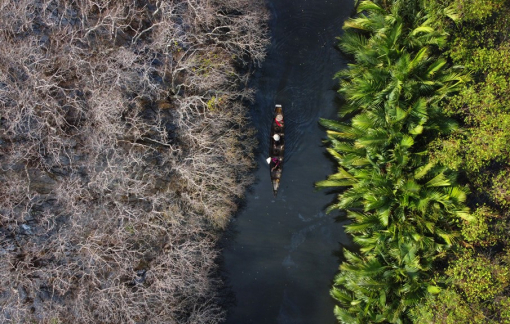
(281, 254)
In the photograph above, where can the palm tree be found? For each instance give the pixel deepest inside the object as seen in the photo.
(397, 212)
(386, 68)
(403, 208)
(380, 287)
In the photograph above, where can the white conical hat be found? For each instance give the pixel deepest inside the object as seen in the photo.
(276, 137)
(279, 117)
(268, 160)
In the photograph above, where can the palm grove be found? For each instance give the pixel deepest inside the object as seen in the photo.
(423, 256)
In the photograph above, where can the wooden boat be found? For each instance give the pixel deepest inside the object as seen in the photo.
(276, 148)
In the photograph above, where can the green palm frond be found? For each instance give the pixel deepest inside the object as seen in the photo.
(377, 136)
(395, 33)
(337, 156)
(458, 194)
(416, 130)
(341, 295)
(357, 216)
(419, 58)
(366, 243)
(345, 317)
(341, 135)
(344, 147)
(333, 207)
(406, 141)
(361, 23)
(334, 183)
(439, 180)
(362, 226)
(352, 42)
(373, 202)
(394, 91)
(334, 125)
(363, 121)
(366, 268)
(465, 214)
(452, 13)
(423, 170)
(439, 197)
(419, 108)
(356, 160)
(444, 125)
(449, 238)
(369, 6)
(352, 257)
(422, 29)
(411, 186)
(413, 298)
(455, 79)
(350, 198)
(400, 114)
(341, 174)
(434, 67)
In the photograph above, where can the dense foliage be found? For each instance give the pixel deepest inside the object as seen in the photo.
(478, 277)
(405, 207)
(413, 119)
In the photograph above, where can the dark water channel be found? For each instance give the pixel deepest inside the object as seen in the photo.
(280, 254)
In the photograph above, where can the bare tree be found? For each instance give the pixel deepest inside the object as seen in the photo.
(124, 147)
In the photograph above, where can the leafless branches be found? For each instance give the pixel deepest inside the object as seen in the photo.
(123, 147)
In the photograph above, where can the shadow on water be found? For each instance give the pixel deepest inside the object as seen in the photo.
(280, 254)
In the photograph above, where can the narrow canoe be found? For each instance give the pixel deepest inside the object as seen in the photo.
(276, 148)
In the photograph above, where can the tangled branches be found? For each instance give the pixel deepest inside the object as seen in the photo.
(123, 148)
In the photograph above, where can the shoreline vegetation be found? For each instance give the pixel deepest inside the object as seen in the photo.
(124, 148)
(424, 162)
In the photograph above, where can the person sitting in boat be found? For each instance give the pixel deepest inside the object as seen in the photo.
(279, 120)
(276, 139)
(276, 162)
